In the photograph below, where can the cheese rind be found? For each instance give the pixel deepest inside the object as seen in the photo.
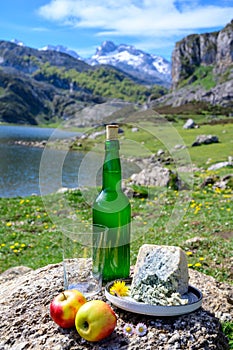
(160, 275)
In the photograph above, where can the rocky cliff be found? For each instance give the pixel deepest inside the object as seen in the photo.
(209, 49)
(202, 73)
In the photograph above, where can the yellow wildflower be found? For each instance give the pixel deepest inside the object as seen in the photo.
(218, 190)
(120, 289)
(189, 253)
(197, 264)
(227, 196)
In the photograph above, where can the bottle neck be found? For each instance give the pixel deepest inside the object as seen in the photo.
(112, 166)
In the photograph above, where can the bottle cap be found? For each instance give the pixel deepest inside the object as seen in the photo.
(112, 132)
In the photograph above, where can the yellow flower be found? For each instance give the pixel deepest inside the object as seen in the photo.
(189, 253)
(120, 289)
(9, 224)
(197, 264)
(218, 190)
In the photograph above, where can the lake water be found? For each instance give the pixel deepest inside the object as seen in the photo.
(26, 170)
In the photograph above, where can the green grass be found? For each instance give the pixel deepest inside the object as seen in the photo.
(214, 152)
(203, 75)
(228, 331)
(159, 133)
(30, 233)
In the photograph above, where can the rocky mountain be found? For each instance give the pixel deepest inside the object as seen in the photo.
(202, 70)
(149, 69)
(207, 50)
(44, 86)
(26, 93)
(144, 67)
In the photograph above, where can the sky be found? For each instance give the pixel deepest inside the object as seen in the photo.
(153, 26)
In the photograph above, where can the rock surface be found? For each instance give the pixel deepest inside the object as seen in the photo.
(221, 94)
(222, 164)
(190, 124)
(26, 324)
(152, 176)
(205, 140)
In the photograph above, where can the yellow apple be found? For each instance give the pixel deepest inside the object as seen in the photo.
(95, 320)
(64, 307)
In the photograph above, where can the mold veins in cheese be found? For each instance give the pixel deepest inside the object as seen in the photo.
(160, 275)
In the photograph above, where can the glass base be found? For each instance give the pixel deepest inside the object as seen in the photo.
(86, 288)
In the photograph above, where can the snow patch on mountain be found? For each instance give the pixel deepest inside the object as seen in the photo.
(152, 68)
(17, 42)
(63, 49)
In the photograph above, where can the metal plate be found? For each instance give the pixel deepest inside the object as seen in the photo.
(194, 297)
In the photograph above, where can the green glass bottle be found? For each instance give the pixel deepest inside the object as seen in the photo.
(111, 208)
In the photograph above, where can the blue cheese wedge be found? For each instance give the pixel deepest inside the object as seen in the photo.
(160, 275)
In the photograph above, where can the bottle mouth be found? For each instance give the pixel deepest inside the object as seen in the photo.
(112, 132)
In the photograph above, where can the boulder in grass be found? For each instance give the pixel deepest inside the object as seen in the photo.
(190, 124)
(205, 140)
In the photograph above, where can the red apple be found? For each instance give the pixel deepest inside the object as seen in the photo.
(95, 320)
(64, 307)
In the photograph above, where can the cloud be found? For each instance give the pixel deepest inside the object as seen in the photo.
(134, 17)
(39, 29)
